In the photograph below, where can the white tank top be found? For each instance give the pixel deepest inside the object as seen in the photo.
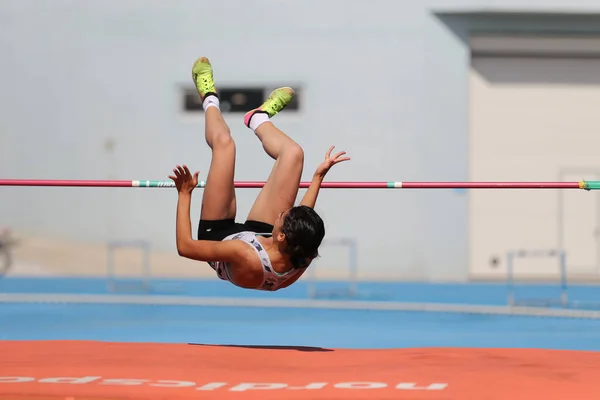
(272, 279)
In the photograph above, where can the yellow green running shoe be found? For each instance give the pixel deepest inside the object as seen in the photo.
(202, 74)
(277, 101)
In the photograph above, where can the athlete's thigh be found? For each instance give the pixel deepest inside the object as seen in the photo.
(279, 192)
(218, 199)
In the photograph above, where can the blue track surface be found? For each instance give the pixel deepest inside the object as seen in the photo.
(296, 327)
(463, 293)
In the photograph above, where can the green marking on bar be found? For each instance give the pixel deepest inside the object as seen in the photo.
(156, 183)
(591, 185)
(159, 184)
(391, 185)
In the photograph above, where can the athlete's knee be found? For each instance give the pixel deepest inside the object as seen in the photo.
(223, 141)
(294, 152)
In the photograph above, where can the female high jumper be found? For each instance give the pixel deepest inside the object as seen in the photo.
(278, 241)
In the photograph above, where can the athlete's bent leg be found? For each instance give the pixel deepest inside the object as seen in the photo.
(281, 188)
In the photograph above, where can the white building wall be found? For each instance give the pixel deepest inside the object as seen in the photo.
(386, 81)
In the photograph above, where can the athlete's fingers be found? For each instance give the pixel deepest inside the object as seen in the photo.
(337, 155)
(339, 160)
(328, 154)
(187, 170)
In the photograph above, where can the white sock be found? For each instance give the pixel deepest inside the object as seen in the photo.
(258, 119)
(210, 101)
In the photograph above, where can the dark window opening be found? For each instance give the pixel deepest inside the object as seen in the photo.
(235, 100)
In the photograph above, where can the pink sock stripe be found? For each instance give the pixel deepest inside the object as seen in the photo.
(250, 114)
(247, 118)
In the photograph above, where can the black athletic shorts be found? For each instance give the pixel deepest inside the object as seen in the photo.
(218, 230)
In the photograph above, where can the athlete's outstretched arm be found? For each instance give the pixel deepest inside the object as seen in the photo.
(200, 250)
(310, 197)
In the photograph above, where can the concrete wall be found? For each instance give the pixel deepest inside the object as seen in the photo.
(384, 80)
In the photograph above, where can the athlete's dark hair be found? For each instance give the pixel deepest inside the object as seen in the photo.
(304, 231)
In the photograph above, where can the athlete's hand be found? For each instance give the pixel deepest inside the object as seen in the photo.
(330, 161)
(185, 182)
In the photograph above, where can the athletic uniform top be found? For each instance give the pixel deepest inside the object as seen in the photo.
(272, 279)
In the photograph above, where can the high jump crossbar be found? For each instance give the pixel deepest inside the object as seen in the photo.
(584, 185)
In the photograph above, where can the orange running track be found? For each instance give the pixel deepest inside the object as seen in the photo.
(86, 370)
